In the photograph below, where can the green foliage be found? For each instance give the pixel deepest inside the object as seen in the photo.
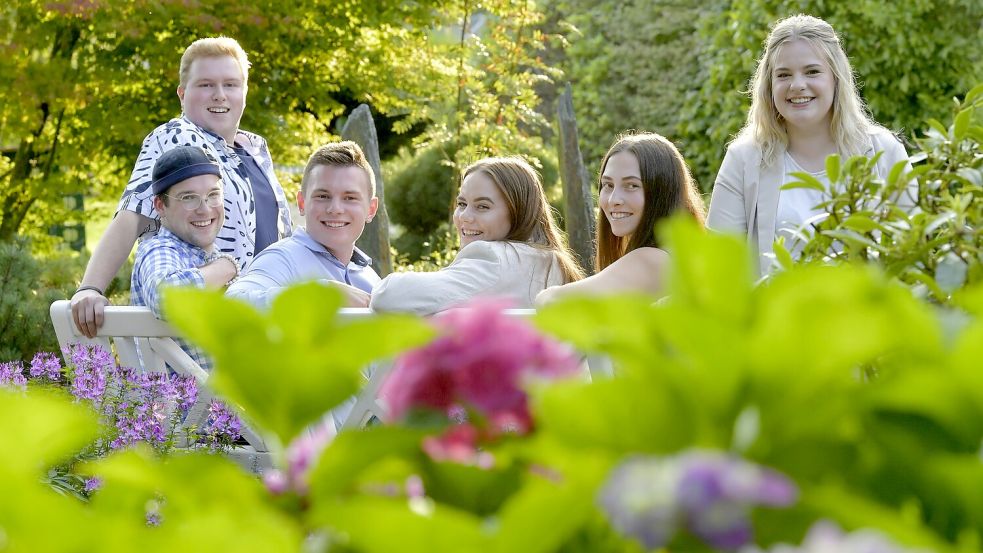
(909, 60)
(836, 376)
(482, 102)
(92, 79)
(631, 65)
(772, 372)
(28, 285)
(924, 227)
(287, 367)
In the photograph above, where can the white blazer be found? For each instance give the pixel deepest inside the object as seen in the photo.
(745, 193)
(515, 270)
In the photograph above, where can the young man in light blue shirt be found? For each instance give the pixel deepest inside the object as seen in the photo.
(336, 198)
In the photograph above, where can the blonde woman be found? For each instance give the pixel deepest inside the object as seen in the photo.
(805, 107)
(510, 245)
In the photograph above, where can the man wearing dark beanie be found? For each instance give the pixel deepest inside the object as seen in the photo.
(188, 196)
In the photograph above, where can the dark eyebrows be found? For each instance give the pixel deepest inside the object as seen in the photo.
(810, 66)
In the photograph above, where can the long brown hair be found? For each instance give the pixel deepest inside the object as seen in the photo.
(530, 215)
(668, 188)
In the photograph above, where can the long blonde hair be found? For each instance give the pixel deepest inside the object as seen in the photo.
(667, 186)
(850, 124)
(530, 215)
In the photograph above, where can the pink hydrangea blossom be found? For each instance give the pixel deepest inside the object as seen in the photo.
(300, 456)
(481, 360)
(478, 366)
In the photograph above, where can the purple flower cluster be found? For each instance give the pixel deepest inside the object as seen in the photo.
(826, 536)
(222, 428)
(12, 375)
(139, 406)
(46, 365)
(145, 422)
(710, 494)
(92, 484)
(92, 365)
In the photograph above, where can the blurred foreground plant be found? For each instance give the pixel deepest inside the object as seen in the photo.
(924, 227)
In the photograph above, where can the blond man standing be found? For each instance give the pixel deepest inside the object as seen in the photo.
(214, 76)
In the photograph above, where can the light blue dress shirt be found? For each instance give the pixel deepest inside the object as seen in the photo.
(299, 258)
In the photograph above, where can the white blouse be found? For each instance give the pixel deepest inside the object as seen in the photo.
(514, 270)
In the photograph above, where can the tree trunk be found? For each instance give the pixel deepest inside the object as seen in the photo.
(577, 197)
(375, 239)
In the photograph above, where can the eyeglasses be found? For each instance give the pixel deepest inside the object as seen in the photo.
(192, 202)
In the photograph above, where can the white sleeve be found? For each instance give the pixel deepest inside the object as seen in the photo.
(476, 269)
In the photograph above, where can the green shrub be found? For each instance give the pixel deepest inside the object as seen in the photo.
(937, 247)
(27, 288)
(29, 283)
(631, 65)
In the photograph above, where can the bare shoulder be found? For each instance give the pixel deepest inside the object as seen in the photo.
(643, 259)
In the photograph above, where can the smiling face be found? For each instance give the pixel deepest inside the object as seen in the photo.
(622, 196)
(482, 212)
(803, 87)
(215, 95)
(336, 206)
(198, 226)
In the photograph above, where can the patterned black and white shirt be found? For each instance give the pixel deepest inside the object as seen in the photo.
(238, 236)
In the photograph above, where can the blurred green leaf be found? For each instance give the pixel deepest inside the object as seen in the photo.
(854, 512)
(805, 181)
(833, 168)
(353, 452)
(961, 123)
(203, 499)
(384, 525)
(287, 368)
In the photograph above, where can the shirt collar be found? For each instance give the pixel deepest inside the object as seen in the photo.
(358, 256)
(165, 234)
(245, 139)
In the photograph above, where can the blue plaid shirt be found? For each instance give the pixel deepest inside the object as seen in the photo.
(166, 260)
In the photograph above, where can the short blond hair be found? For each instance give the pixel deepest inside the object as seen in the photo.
(339, 154)
(213, 47)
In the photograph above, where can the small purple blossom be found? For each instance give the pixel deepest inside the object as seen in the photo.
(12, 375)
(301, 455)
(709, 494)
(222, 427)
(92, 484)
(46, 365)
(186, 390)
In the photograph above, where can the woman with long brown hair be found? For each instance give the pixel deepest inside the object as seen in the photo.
(510, 245)
(643, 181)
